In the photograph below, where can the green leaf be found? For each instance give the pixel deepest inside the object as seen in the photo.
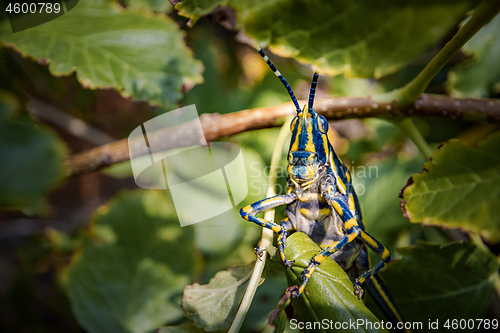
(329, 294)
(32, 158)
(479, 76)
(213, 306)
(361, 38)
(341, 86)
(459, 188)
(440, 282)
(184, 328)
(141, 55)
(131, 277)
(154, 5)
(196, 8)
(61, 242)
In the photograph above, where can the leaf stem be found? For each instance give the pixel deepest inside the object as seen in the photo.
(411, 91)
(478, 241)
(408, 127)
(267, 235)
(414, 89)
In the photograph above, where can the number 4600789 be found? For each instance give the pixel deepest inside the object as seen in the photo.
(455, 324)
(40, 7)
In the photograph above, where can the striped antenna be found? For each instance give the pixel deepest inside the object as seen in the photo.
(313, 91)
(282, 79)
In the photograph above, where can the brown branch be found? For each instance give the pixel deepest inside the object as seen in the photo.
(216, 126)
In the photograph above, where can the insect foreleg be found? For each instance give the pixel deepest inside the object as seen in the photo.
(249, 212)
(285, 226)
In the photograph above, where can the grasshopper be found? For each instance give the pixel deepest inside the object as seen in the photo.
(322, 203)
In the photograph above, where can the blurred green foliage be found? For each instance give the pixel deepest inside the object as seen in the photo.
(123, 267)
(28, 150)
(432, 291)
(479, 76)
(371, 38)
(132, 273)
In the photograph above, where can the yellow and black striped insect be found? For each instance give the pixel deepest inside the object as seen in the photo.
(322, 203)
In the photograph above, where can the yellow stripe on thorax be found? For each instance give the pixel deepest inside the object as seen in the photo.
(325, 144)
(352, 207)
(340, 184)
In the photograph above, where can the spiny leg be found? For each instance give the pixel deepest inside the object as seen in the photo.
(325, 253)
(285, 226)
(345, 207)
(258, 252)
(337, 200)
(342, 207)
(379, 291)
(381, 251)
(249, 212)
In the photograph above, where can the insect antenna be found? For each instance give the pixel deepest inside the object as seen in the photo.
(282, 79)
(313, 91)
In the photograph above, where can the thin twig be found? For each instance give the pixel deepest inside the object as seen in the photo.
(217, 126)
(408, 127)
(267, 234)
(73, 125)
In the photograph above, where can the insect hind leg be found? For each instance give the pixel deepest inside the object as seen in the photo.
(381, 251)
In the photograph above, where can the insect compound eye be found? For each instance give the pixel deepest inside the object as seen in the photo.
(294, 122)
(322, 124)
